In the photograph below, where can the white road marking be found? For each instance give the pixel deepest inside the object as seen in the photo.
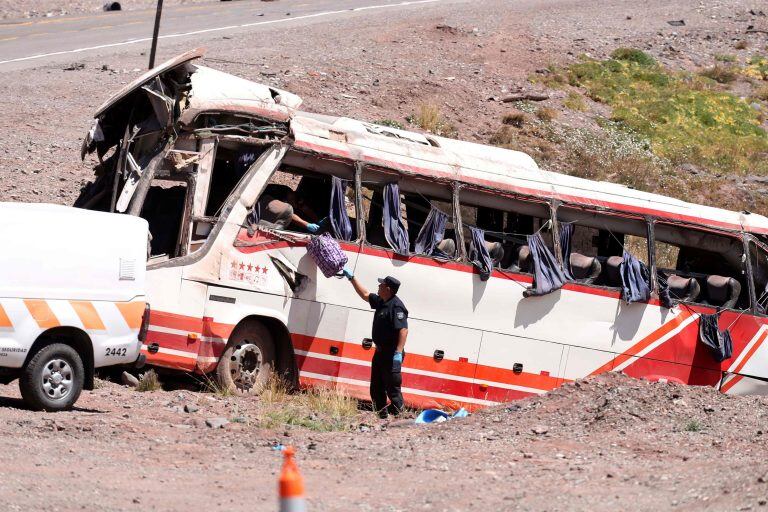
(216, 29)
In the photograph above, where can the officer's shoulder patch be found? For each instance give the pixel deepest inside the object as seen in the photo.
(400, 315)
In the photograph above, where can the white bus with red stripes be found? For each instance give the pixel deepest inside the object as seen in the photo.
(194, 151)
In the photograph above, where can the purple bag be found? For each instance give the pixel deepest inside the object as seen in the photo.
(327, 254)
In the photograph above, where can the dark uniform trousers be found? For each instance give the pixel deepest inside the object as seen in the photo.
(386, 380)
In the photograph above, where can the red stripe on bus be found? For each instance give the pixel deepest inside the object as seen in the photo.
(736, 378)
(175, 321)
(643, 343)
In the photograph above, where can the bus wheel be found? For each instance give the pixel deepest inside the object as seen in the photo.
(248, 360)
(53, 378)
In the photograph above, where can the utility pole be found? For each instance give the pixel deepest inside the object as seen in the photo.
(155, 33)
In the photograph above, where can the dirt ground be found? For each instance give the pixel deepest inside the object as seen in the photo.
(605, 444)
(610, 443)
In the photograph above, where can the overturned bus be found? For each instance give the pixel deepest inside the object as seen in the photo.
(517, 279)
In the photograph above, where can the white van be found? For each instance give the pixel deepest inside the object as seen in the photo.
(71, 298)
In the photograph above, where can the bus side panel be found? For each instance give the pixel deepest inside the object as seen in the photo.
(176, 319)
(510, 367)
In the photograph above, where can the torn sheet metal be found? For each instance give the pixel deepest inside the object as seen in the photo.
(133, 170)
(168, 65)
(161, 103)
(94, 136)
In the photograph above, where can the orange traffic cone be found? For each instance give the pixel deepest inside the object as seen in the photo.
(291, 484)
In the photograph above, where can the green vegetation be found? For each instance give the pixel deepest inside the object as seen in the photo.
(575, 101)
(693, 426)
(391, 123)
(685, 118)
(632, 55)
(725, 58)
(757, 67)
(320, 409)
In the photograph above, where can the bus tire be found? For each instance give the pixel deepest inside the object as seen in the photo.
(248, 360)
(53, 379)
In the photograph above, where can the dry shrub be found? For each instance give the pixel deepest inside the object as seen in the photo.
(516, 119)
(741, 45)
(323, 409)
(546, 114)
(149, 381)
(720, 74)
(761, 93)
(430, 119)
(575, 101)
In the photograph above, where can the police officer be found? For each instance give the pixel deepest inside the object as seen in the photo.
(389, 333)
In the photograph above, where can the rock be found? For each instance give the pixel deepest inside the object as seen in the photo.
(677, 23)
(216, 422)
(540, 430)
(129, 380)
(191, 408)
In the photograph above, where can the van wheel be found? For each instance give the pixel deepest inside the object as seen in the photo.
(248, 360)
(53, 378)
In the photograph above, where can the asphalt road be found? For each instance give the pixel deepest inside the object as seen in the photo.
(38, 42)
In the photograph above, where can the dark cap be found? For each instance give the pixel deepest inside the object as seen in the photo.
(390, 281)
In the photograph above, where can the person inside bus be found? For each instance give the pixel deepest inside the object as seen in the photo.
(276, 210)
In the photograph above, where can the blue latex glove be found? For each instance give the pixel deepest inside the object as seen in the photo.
(397, 362)
(347, 273)
(313, 228)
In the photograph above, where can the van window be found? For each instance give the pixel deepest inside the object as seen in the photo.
(506, 222)
(298, 199)
(598, 242)
(426, 210)
(701, 266)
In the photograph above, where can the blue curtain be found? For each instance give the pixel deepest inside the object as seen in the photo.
(634, 279)
(342, 227)
(432, 232)
(548, 275)
(478, 253)
(394, 227)
(566, 233)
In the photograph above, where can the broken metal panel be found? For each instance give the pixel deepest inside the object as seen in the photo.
(204, 173)
(162, 104)
(214, 90)
(133, 172)
(163, 68)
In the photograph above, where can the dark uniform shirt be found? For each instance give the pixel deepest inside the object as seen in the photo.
(389, 318)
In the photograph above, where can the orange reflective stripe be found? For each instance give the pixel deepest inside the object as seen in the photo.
(4, 320)
(42, 313)
(88, 315)
(132, 312)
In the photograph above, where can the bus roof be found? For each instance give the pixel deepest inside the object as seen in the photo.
(496, 168)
